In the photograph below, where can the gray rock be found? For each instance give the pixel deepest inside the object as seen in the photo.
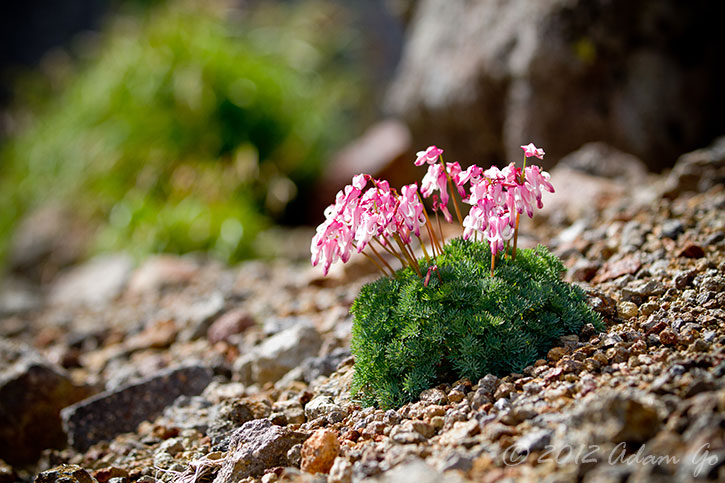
(488, 384)
(456, 460)
(256, 446)
(97, 281)
(281, 353)
(433, 396)
(110, 413)
(405, 434)
(315, 367)
(534, 440)
(231, 414)
(559, 73)
(32, 393)
(320, 406)
(672, 228)
(65, 474)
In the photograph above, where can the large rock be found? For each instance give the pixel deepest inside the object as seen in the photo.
(32, 393)
(481, 77)
(110, 413)
(256, 446)
(698, 170)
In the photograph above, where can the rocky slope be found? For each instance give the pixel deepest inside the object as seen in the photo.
(198, 372)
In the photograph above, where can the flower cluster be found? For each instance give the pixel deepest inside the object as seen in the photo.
(381, 215)
(498, 197)
(359, 217)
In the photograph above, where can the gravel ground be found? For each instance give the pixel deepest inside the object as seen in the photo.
(201, 372)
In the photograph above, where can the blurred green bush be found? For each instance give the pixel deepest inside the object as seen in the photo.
(186, 126)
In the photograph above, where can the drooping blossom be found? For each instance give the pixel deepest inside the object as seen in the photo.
(429, 156)
(472, 175)
(531, 151)
(496, 196)
(410, 211)
(435, 179)
(358, 216)
(536, 179)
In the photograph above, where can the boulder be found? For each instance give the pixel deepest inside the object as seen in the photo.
(32, 393)
(111, 413)
(481, 77)
(698, 170)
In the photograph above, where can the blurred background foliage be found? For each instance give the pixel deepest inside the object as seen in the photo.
(184, 126)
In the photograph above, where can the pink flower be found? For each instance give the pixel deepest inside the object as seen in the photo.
(434, 179)
(359, 181)
(499, 230)
(531, 151)
(429, 156)
(535, 180)
(443, 208)
(411, 209)
(472, 174)
(474, 222)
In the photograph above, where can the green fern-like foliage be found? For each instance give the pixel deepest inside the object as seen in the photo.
(407, 337)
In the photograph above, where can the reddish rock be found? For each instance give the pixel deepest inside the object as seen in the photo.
(233, 322)
(610, 271)
(668, 337)
(105, 474)
(32, 393)
(692, 250)
(320, 451)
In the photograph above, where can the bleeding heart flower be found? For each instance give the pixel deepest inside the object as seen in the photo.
(429, 156)
(531, 151)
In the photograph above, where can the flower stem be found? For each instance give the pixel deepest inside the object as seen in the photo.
(429, 226)
(425, 252)
(453, 192)
(493, 262)
(411, 260)
(516, 236)
(516, 228)
(381, 258)
(377, 265)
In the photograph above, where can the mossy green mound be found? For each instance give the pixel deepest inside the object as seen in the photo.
(407, 337)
